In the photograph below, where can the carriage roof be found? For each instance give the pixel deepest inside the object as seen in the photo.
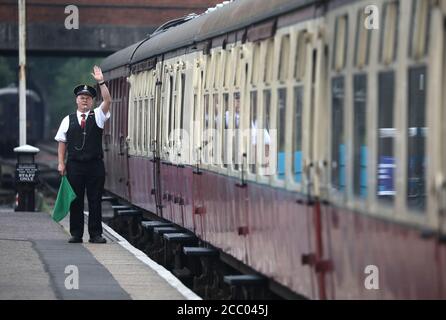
(227, 18)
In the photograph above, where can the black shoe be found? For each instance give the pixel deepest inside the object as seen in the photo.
(75, 240)
(97, 239)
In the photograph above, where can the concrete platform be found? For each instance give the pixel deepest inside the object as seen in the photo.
(36, 262)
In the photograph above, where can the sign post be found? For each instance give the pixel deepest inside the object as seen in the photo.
(26, 177)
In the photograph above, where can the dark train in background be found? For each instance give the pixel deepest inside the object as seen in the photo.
(9, 119)
(352, 120)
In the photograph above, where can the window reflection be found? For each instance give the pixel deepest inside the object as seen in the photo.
(337, 138)
(417, 132)
(386, 137)
(281, 105)
(360, 136)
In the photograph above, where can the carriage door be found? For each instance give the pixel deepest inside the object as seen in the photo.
(197, 145)
(123, 133)
(315, 164)
(156, 143)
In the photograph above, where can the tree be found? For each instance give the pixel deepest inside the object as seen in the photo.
(7, 75)
(55, 78)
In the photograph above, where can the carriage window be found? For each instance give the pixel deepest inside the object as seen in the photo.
(152, 87)
(135, 124)
(183, 83)
(340, 43)
(301, 55)
(417, 132)
(215, 128)
(238, 68)
(223, 64)
(120, 122)
(196, 128)
(174, 133)
(386, 136)
(216, 112)
(297, 133)
(176, 82)
(360, 135)
(163, 123)
(206, 128)
(337, 140)
(255, 63)
(268, 65)
(196, 113)
(235, 65)
(266, 126)
(150, 83)
(284, 58)
(236, 137)
(281, 112)
(146, 123)
(131, 127)
(141, 84)
(153, 121)
(164, 82)
(225, 126)
(119, 106)
(217, 73)
(228, 69)
(389, 32)
(170, 128)
(140, 124)
(114, 108)
(196, 73)
(253, 135)
(209, 64)
(419, 28)
(362, 41)
(135, 85)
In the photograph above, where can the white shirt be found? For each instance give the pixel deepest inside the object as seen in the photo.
(99, 115)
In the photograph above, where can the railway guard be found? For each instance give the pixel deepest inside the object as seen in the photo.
(80, 134)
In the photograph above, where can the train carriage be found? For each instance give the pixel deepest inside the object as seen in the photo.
(9, 119)
(302, 138)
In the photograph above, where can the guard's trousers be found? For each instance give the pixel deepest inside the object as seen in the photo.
(90, 176)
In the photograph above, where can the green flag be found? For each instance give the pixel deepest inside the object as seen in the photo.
(64, 198)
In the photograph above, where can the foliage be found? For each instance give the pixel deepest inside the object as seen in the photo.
(61, 81)
(54, 79)
(7, 75)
